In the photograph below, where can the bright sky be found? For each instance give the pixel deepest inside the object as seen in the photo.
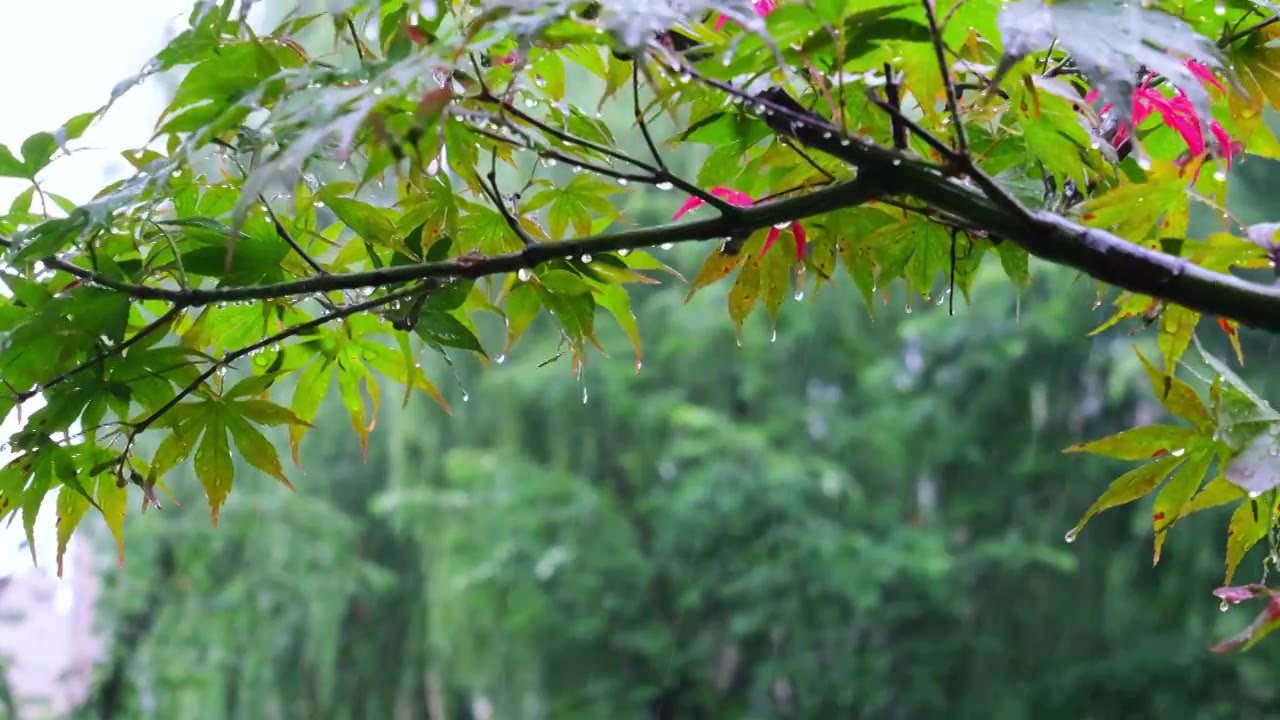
(61, 58)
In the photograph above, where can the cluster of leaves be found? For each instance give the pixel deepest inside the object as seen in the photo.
(323, 218)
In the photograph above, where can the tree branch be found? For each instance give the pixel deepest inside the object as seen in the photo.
(746, 220)
(1049, 236)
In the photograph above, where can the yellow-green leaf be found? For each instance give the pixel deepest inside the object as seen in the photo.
(744, 294)
(1177, 324)
(717, 267)
(213, 465)
(1127, 488)
(614, 298)
(113, 498)
(72, 506)
(1215, 493)
(1249, 524)
(255, 448)
(1176, 494)
(312, 384)
(1139, 443)
(1176, 395)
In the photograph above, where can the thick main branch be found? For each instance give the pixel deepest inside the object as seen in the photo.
(1048, 236)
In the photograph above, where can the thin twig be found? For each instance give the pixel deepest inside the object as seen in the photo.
(640, 119)
(809, 160)
(288, 238)
(1233, 37)
(896, 129)
(495, 195)
(962, 143)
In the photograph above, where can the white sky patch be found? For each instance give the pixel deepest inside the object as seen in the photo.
(62, 58)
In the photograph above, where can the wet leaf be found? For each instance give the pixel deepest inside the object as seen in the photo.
(1176, 494)
(312, 384)
(1177, 325)
(213, 465)
(71, 509)
(113, 499)
(1256, 467)
(744, 294)
(1139, 443)
(1129, 487)
(1263, 624)
(1176, 395)
(717, 267)
(256, 449)
(614, 298)
(1249, 524)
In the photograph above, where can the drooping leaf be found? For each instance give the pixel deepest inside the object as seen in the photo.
(1249, 524)
(1176, 494)
(1127, 488)
(1139, 443)
(213, 465)
(71, 509)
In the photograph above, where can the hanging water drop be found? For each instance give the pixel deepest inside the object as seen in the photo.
(667, 246)
(586, 258)
(624, 252)
(1224, 606)
(773, 337)
(500, 359)
(584, 394)
(664, 185)
(622, 181)
(1071, 535)
(799, 295)
(1253, 494)
(1219, 174)
(524, 274)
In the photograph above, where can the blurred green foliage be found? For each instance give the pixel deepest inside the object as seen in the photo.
(863, 518)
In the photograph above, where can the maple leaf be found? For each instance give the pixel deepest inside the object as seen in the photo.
(763, 7)
(741, 199)
(1177, 113)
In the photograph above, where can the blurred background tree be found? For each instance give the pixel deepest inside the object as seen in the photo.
(862, 517)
